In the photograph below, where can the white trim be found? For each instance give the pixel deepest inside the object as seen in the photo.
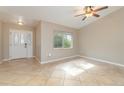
(16, 58)
(62, 48)
(54, 60)
(6, 59)
(101, 60)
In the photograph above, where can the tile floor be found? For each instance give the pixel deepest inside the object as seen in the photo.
(73, 72)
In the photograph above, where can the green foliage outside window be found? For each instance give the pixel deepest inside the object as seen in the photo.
(63, 40)
(58, 41)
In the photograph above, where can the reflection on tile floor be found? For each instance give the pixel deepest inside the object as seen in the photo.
(73, 72)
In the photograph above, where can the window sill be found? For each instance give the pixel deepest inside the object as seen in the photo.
(61, 48)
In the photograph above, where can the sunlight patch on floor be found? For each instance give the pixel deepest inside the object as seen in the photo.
(73, 70)
(86, 66)
(77, 68)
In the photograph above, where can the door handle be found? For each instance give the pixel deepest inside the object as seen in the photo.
(25, 45)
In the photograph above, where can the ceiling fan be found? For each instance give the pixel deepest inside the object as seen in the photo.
(91, 11)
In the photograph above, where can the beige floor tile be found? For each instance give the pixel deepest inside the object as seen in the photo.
(71, 77)
(45, 74)
(7, 78)
(105, 81)
(6, 84)
(72, 83)
(88, 79)
(115, 80)
(89, 82)
(58, 74)
(86, 75)
(37, 81)
(54, 82)
(22, 79)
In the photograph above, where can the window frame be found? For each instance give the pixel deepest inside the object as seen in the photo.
(63, 33)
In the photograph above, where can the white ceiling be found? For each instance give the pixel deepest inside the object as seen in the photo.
(63, 15)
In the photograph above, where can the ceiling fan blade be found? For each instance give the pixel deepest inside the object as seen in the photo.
(91, 8)
(84, 18)
(99, 9)
(79, 15)
(96, 15)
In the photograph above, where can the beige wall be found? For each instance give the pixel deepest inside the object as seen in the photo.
(47, 42)
(38, 41)
(104, 39)
(0, 41)
(5, 33)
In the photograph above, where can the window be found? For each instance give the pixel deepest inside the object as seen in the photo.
(63, 40)
(16, 38)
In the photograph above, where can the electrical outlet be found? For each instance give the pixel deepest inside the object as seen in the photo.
(49, 55)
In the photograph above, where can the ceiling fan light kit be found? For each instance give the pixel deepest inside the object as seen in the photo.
(89, 11)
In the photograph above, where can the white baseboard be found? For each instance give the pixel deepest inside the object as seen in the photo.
(100, 60)
(6, 60)
(54, 60)
(15, 58)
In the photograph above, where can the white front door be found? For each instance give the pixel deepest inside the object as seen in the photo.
(20, 44)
